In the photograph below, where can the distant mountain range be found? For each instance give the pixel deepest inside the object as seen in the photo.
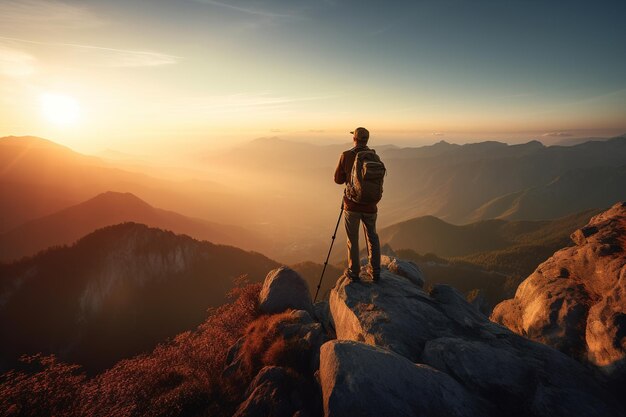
(68, 225)
(283, 191)
(40, 177)
(429, 234)
(115, 293)
(461, 183)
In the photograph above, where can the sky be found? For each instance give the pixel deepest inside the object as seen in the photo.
(148, 77)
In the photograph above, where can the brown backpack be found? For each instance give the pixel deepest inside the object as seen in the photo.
(365, 184)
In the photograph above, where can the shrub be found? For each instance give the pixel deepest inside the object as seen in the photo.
(181, 377)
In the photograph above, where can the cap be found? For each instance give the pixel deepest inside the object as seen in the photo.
(361, 133)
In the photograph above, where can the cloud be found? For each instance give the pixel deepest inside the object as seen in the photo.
(16, 63)
(438, 134)
(557, 134)
(243, 100)
(249, 10)
(113, 57)
(38, 14)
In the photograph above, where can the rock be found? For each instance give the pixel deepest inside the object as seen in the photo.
(271, 393)
(362, 380)
(322, 314)
(513, 375)
(408, 270)
(284, 289)
(394, 313)
(576, 300)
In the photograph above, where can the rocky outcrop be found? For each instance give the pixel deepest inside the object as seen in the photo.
(392, 349)
(505, 373)
(406, 269)
(576, 300)
(271, 393)
(284, 289)
(362, 380)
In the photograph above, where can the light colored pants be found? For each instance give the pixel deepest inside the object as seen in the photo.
(352, 219)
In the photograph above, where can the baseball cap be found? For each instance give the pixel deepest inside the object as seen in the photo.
(361, 133)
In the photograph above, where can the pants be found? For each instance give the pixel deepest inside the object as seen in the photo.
(352, 220)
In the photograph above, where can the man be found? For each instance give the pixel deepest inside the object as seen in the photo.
(356, 211)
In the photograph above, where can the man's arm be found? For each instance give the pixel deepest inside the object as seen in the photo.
(340, 175)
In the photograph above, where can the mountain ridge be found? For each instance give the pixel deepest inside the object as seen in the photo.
(109, 208)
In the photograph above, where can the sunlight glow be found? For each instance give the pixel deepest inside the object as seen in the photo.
(60, 109)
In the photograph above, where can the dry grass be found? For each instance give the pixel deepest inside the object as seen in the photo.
(181, 377)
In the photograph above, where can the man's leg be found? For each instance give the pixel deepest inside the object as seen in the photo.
(352, 220)
(373, 244)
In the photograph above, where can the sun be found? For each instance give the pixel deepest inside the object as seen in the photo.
(60, 109)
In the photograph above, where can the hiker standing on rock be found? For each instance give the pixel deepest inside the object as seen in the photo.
(362, 171)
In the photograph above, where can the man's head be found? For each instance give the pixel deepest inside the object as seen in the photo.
(360, 135)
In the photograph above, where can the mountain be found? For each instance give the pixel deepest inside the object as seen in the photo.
(283, 190)
(67, 225)
(574, 301)
(429, 234)
(40, 177)
(460, 184)
(115, 293)
(576, 189)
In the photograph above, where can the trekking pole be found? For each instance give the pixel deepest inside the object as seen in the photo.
(329, 250)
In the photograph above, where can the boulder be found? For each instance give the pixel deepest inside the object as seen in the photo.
(322, 315)
(393, 313)
(362, 380)
(271, 393)
(284, 289)
(513, 375)
(406, 269)
(576, 300)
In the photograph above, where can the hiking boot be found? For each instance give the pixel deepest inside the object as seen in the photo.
(351, 275)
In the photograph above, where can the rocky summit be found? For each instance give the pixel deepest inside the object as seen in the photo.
(576, 300)
(392, 348)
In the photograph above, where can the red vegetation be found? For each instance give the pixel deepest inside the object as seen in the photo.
(180, 377)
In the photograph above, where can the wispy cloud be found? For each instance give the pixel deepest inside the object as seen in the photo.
(38, 14)
(112, 56)
(438, 134)
(247, 9)
(243, 100)
(15, 63)
(557, 134)
(252, 104)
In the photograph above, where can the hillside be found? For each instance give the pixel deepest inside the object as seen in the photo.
(40, 177)
(429, 234)
(115, 293)
(66, 226)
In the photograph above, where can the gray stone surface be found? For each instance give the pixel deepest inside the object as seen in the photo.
(515, 376)
(270, 394)
(408, 270)
(576, 300)
(284, 289)
(362, 380)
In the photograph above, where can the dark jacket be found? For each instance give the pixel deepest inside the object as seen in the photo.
(342, 175)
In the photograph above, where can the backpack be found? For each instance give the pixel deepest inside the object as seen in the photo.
(365, 184)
